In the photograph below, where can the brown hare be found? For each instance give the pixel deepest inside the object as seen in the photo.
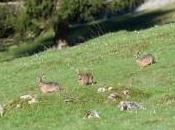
(48, 87)
(62, 44)
(85, 79)
(145, 60)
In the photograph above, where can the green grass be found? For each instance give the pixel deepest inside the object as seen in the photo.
(111, 59)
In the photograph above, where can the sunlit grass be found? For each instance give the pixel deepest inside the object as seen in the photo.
(111, 58)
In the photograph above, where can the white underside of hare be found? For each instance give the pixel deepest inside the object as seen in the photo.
(144, 63)
(46, 89)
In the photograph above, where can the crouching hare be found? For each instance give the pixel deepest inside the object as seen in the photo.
(47, 86)
(144, 60)
(86, 79)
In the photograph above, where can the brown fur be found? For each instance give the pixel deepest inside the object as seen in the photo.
(62, 44)
(85, 79)
(145, 60)
(48, 87)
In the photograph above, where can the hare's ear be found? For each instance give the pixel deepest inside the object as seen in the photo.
(78, 71)
(137, 55)
(41, 76)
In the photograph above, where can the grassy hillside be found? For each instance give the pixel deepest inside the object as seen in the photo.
(111, 59)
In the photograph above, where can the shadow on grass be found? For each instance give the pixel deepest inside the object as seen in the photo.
(82, 33)
(129, 22)
(32, 48)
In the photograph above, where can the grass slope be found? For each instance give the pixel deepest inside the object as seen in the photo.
(111, 59)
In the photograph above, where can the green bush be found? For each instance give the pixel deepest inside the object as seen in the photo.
(6, 25)
(40, 14)
(12, 21)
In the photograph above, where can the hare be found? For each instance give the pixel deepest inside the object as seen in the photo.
(62, 44)
(85, 79)
(145, 60)
(48, 87)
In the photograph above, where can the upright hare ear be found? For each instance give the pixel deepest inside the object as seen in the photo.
(40, 77)
(137, 55)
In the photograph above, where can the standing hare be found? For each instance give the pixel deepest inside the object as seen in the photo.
(145, 60)
(62, 44)
(85, 79)
(48, 87)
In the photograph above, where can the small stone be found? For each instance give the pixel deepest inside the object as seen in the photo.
(126, 92)
(128, 105)
(110, 88)
(91, 115)
(18, 105)
(101, 90)
(33, 101)
(114, 96)
(68, 100)
(26, 97)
